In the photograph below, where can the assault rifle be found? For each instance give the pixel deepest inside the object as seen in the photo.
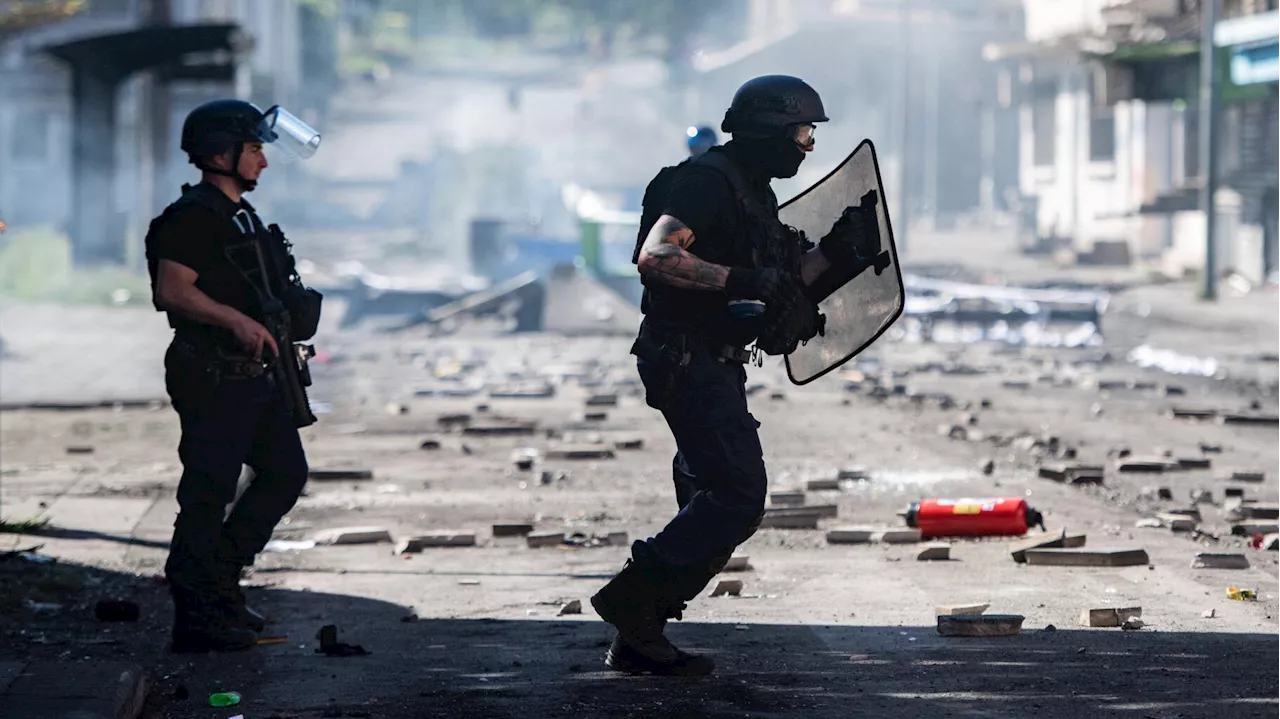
(290, 371)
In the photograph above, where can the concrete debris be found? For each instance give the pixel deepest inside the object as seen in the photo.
(960, 610)
(1073, 473)
(980, 625)
(739, 563)
(953, 431)
(1152, 492)
(1144, 464)
(818, 485)
(1173, 390)
(419, 542)
(1233, 492)
(1192, 413)
(988, 468)
(535, 390)
(1177, 522)
(544, 539)
(602, 400)
(1251, 477)
(595, 417)
(450, 421)
(898, 536)
(1148, 523)
(1194, 462)
(1201, 496)
(1271, 542)
(1209, 613)
(778, 395)
(1253, 419)
(395, 408)
(933, 552)
(1210, 448)
(1254, 510)
(1087, 557)
(730, 587)
(1071, 541)
(1015, 384)
(326, 475)
(80, 449)
(511, 529)
(1037, 541)
(866, 535)
(626, 444)
(617, 539)
(581, 452)
(787, 498)
(510, 428)
(1205, 560)
(850, 535)
(1251, 528)
(1132, 623)
(353, 535)
(851, 473)
(571, 607)
(1109, 616)
(430, 444)
(524, 458)
(790, 518)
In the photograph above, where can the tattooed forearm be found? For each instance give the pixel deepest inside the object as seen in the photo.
(665, 257)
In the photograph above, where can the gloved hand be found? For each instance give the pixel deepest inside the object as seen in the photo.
(854, 236)
(764, 284)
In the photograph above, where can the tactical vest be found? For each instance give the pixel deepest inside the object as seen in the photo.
(265, 261)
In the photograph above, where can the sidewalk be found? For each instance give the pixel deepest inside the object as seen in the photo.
(58, 690)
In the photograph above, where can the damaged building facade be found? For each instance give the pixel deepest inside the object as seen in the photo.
(95, 98)
(1108, 97)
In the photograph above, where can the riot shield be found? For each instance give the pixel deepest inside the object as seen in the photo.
(860, 302)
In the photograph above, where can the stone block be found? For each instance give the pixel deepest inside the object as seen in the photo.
(544, 539)
(980, 625)
(731, 587)
(1207, 560)
(787, 498)
(1036, 541)
(960, 610)
(450, 538)
(353, 535)
(325, 475)
(1177, 522)
(818, 485)
(740, 563)
(511, 529)
(1108, 616)
(932, 552)
(1087, 558)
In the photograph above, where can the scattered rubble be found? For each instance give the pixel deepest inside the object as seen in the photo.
(730, 587)
(353, 535)
(935, 552)
(1087, 558)
(1109, 616)
(419, 542)
(1177, 522)
(1047, 540)
(1205, 560)
(980, 625)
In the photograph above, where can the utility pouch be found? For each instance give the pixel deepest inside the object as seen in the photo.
(665, 365)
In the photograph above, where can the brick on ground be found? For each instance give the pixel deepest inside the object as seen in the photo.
(817, 485)
(787, 498)
(353, 535)
(1108, 616)
(419, 542)
(1177, 522)
(511, 529)
(739, 563)
(1209, 560)
(731, 587)
(1036, 541)
(544, 539)
(956, 610)
(934, 552)
(980, 625)
(1087, 558)
(327, 475)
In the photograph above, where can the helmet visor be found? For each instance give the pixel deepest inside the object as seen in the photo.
(804, 135)
(284, 131)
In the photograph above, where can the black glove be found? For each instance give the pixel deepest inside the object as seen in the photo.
(854, 237)
(764, 284)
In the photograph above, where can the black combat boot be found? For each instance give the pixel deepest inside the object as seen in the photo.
(682, 585)
(200, 626)
(622, 658)
(631, 602)
(232, 598)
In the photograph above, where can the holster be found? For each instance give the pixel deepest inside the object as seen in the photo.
(667, 357)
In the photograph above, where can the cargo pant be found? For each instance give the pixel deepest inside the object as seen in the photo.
(227, 423)
(718, 470)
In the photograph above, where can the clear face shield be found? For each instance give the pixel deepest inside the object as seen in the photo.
(284, 132)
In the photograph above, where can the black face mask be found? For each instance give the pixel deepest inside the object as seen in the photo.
(778, 157)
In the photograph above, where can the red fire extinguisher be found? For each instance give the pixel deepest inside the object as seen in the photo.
(1009, 516)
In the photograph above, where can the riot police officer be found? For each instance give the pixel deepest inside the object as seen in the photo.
(720, 271)
(205, 254)
(701, 139)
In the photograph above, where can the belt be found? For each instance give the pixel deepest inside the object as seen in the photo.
(720, 351)
(227, 365)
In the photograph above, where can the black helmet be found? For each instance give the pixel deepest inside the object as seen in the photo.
(769, 104)
(221, 125)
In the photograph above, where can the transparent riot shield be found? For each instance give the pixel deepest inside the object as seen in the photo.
(860, 302)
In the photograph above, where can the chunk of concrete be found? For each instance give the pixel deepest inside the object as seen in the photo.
(602, 400)
(429, 444)
(419, 542)
(851, 535)
(353, 535)
(1177, 522)
(1071, 541)
(595, 417)
(511, 529)
(787, 498)
(1257, 510)
(1251, 477)
(1271, 542)
(961, 610)
(740, 563)
(582, 452)
(852, 473)
(617, 539)
(818, 485)
(980, 625)
(629, 444)
(1207, 560)
(933, 552)
(571, 607)
(774, 519)
(898, 536)
(1037, 541)
(1233, 492)
(1087, 557)
(501, 429)
(1148, 523)
(1132, 464)
(326, 475)
(1194, 462)
(544, 539)
(1108, 616)
(731, 587)
(80, 449)
(1250, 528)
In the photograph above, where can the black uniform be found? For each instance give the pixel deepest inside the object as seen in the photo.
(231, 412)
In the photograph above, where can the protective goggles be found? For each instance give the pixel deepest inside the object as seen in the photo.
(802, 135)
(284, 131)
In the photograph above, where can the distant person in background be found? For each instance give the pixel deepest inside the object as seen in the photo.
(3, 226)
(217, 271)
(701, 139)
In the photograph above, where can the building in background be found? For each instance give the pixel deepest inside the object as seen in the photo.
(95, 97)
(1107, 92)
